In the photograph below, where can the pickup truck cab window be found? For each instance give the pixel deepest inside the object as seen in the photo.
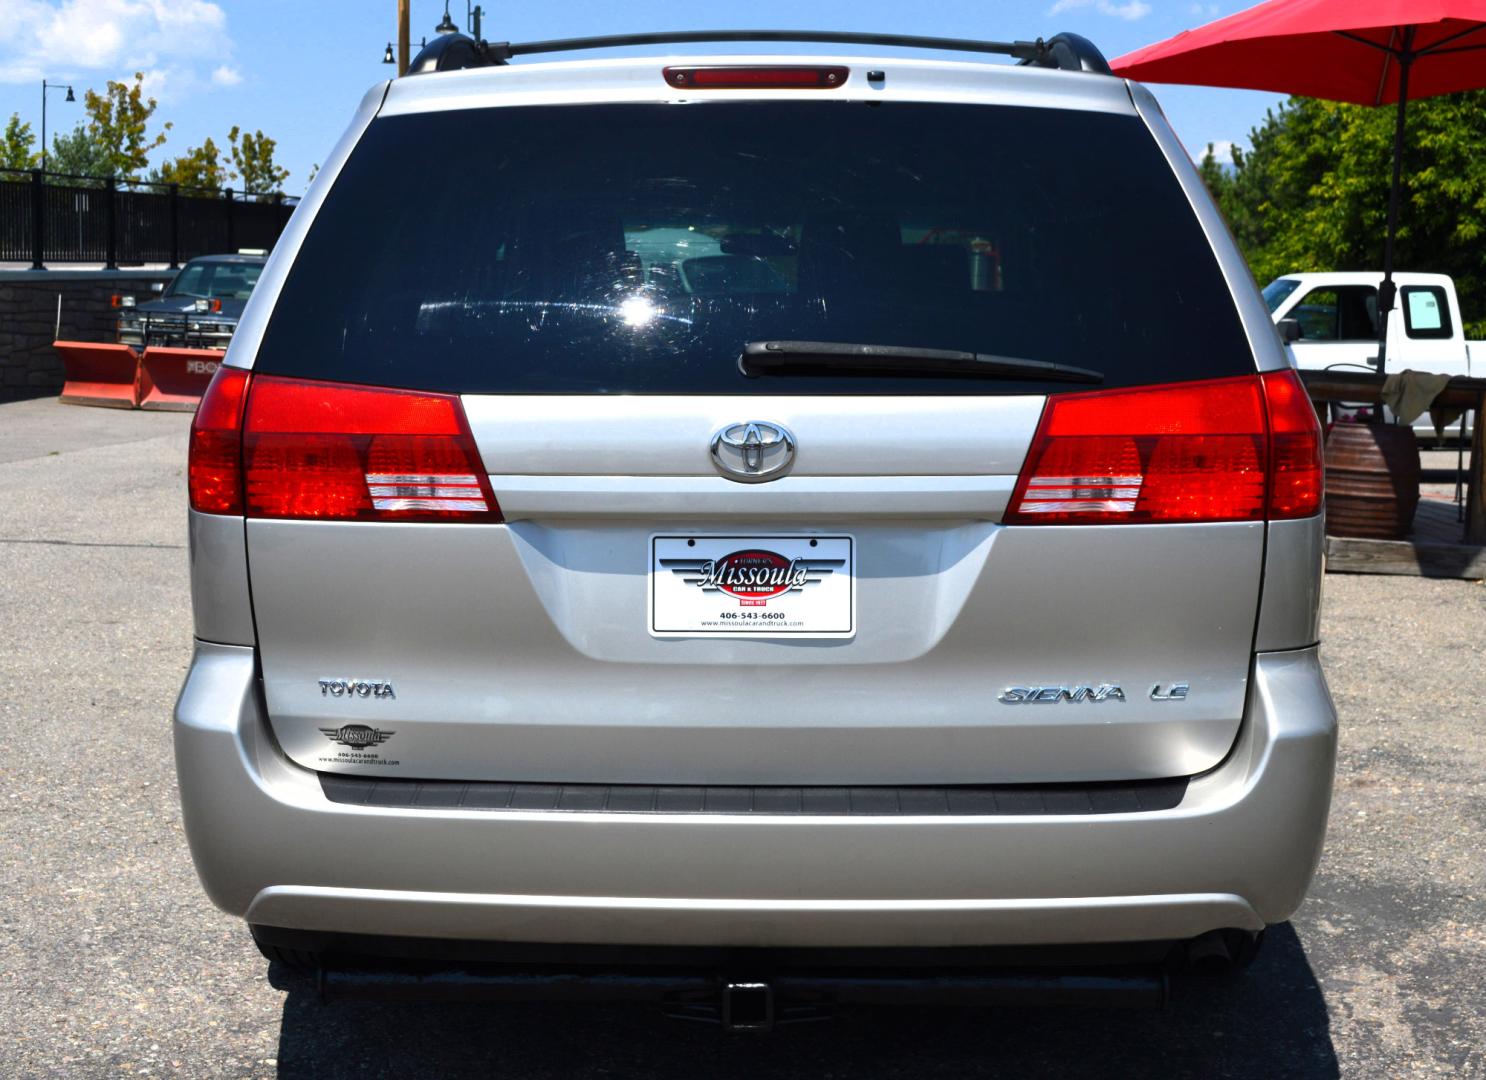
(1339, 313)
(1426, 312)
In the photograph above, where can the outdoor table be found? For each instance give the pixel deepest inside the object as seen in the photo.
(1367, 388)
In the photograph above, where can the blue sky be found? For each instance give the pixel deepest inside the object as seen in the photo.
(296, 68)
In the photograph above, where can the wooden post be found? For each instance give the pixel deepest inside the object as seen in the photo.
(1475, 499)
(404, 36)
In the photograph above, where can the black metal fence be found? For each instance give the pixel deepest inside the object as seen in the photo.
(60, 218)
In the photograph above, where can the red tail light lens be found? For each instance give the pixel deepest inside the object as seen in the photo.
(1193, 452)
(215, 470)
(744, 77)
(334, 452)
(1296, 466)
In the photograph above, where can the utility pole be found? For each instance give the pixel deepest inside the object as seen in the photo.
(404, 33)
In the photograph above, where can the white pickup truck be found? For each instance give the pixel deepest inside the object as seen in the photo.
(1337, 315)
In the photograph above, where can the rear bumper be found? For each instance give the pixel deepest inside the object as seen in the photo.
(1238, 851)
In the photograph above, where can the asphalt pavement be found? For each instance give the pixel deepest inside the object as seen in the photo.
(113, 963)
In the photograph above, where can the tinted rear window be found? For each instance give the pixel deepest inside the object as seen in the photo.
(637, 248)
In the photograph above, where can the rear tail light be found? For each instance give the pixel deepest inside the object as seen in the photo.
(329, 451)
(1218, 450)
(215, 470)
(1296, 466)
(749, 77)
(291, 448)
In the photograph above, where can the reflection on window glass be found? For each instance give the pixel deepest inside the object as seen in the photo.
(1278, 291)
(189, 282)
(216, 281)
(1425, 313)
(638, 248)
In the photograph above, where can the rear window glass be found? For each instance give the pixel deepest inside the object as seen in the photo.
(637, 248)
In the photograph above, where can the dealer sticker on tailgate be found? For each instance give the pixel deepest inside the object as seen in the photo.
(752, 586)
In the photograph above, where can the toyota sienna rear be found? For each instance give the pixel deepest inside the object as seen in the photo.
(755, 518)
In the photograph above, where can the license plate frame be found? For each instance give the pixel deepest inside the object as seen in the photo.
(767, 586)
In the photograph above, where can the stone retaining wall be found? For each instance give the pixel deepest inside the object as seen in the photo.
(29, 366)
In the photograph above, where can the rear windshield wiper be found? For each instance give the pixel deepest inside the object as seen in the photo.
(842, 358)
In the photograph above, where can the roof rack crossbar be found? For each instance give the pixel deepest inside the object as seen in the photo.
(1069, 52)
(1021, 50)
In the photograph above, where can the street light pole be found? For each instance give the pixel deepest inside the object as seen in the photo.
(45, 86)
(404, 33)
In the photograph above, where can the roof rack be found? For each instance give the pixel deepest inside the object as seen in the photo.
(452, 52)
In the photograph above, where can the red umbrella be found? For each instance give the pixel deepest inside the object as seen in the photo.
(1369, 52)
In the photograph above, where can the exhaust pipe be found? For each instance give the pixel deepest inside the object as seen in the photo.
(1209, 954)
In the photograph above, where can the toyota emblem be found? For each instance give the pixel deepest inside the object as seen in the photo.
(753, 451)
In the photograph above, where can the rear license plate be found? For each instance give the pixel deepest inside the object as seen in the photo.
(752, 586)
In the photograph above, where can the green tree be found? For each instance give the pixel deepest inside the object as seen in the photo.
(78, 154)
(118, 123)
(1213, 174)
(200, 167)
(15, 145)
(252, 161)
(1312, 192)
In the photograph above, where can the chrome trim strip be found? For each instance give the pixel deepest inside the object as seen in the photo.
(429, 504)
(1063, 506)
(422, 478)
(1081, 481)
(423, 491)
(812, 497)
(1081, 493)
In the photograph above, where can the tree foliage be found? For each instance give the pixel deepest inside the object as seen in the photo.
(252, 161)
(1312, 192)
(16, 144)
(78, 154)
(200, 167)
(117, 122)
(116, 140)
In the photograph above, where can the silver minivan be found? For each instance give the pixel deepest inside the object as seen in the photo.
(756, 518)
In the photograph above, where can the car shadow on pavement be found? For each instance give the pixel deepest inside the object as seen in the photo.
(1270, 1022)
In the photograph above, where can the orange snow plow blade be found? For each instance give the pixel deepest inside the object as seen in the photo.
(99, 374)
(175, 379)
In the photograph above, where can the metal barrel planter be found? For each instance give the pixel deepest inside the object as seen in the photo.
(1372, 480)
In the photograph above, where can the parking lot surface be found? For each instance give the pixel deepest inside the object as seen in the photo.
(112, 962)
